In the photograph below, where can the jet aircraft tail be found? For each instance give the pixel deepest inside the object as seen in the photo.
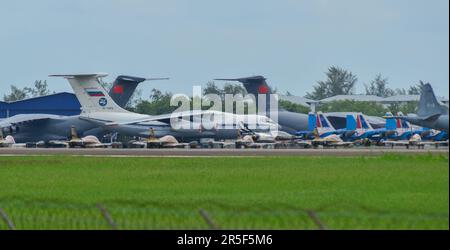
(73, 133)
(428, 104)
(91, 95)
(323, 122)
(255, 85)
(401, 123)
(362, 123)
(350, 123)
(391, 122)
(124, 87)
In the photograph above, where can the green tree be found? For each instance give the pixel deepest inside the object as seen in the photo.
(16, 94)
(158, 104)
(293, 107)
(338, 82)
(40, 89)
(405, 108)
(212, 88)
(234, 89)
(379, 87)
(135, 99)
(416, 89)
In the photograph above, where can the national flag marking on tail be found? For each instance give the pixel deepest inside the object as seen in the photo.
(94, 92)
(263, 89)
(118, 89)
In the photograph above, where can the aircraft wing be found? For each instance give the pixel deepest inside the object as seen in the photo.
(433, 143)
(423, 118)
(25, 118)
(342, 143)
(403, 143)
(165, 118)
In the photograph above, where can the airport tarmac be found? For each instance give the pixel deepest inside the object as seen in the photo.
(216, 152)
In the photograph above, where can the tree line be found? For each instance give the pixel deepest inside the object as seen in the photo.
(338, 81)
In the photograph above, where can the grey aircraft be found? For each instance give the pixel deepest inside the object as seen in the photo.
(45, 127)
(292, 122)
(430, 114)
(99, 108)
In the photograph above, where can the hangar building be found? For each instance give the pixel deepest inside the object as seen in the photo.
(56, 104)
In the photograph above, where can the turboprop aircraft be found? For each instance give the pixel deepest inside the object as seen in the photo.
(53, 130)
(100, 109)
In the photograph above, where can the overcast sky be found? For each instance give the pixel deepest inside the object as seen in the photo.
(291, 42)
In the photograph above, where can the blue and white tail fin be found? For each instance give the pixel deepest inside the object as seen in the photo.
(391, 123)
(90, 93)
(319, 122)
(311, 121)
(401, 123)
(362, 123)
(350, 123)
(359, 124)
(323, 124)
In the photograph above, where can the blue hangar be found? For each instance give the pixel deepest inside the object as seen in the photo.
(56, 104)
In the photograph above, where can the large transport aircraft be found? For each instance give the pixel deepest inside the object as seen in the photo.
(100, 109)
(45, 127)
(292, 122)
(430, 114)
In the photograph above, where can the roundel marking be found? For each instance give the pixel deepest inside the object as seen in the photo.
(102, 102)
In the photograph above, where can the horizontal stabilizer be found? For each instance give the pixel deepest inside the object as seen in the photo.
(96, 75)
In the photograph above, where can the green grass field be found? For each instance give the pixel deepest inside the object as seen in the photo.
(388, 192)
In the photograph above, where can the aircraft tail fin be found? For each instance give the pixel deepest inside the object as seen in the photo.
(350, 122)
(90, 93)
(73, 133)
(255, 85)
(311, 121)
(391, 123)
(323, 125)
(124, 87)
(428, 103)
(362, 122)
(324, 122)
(404, 123)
